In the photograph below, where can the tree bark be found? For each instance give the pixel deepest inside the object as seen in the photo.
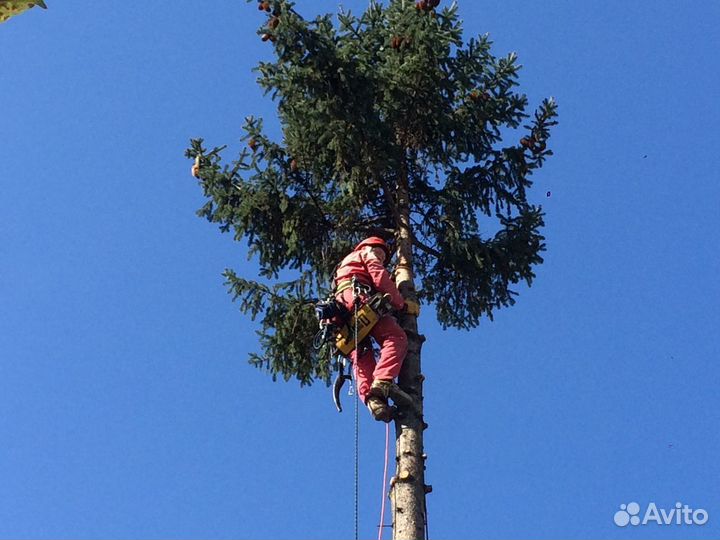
(407, 490)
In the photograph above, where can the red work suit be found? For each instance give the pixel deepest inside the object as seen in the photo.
(368, 269)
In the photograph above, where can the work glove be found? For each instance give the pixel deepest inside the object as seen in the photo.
(195, 171)
(411, 308)
(10, 9)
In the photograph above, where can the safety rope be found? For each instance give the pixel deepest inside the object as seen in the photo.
(427, 529)
(381, 526)
(357, 423)
(357, 464)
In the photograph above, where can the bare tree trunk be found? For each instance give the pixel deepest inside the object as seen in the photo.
(408, 485)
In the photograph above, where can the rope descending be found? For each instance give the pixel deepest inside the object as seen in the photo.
(357, 434)
(384, 483)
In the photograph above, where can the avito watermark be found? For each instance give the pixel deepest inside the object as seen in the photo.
(680, 514)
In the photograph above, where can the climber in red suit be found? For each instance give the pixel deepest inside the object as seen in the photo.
(374, 379)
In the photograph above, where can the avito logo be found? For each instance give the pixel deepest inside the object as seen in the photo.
(681, 514)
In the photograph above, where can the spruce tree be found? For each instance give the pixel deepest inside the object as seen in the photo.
(392, 125)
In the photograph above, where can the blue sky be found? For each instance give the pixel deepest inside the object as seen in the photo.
(127, 408)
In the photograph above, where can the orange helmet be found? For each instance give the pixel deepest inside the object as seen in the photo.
(375, 241)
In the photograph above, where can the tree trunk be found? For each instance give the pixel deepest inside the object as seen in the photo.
(408, 490)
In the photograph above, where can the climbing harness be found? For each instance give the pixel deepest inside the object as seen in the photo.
(347, 330)
(363, 321)
(337, 322)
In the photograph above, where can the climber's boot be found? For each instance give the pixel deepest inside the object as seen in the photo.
(385, 389)
(379, 408)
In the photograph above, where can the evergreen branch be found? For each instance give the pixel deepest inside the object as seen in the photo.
(381, 104)
(427, 249)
